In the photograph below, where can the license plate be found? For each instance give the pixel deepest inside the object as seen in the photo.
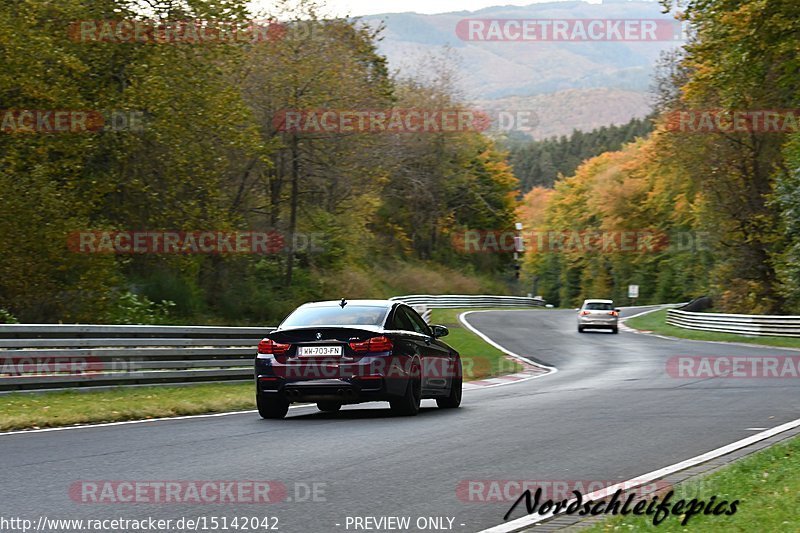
(312, 351)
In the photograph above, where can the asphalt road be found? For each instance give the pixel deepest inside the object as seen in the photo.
(610, 413)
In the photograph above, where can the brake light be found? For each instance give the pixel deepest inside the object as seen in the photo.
(373, 345)
(380, 344)
(584, 313)
(613, 313)
(269, 346)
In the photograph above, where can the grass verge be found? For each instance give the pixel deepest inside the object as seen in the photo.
(56, 409)
(657, 323)
(765, 483)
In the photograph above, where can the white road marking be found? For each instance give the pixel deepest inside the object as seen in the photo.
(644, 479)
(130, 422)
(644, 313)
(550, 369)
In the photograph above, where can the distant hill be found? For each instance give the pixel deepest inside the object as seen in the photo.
(573, 109)
(568, 73)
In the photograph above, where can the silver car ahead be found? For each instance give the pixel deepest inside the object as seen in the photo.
(598, 314)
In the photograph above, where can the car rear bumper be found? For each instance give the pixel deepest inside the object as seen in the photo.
(338, 390)
(353, 382)
(598, 323)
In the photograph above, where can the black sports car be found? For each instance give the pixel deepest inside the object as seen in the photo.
(336, 353)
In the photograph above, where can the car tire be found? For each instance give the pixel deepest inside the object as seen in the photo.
(453, 400)
(329, 407)
(272, 408)
(580, 329)
(615, 330)
(408, 404)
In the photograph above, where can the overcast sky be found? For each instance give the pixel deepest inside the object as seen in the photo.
(371, 7)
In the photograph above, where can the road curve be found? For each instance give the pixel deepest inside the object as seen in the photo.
(610, 413)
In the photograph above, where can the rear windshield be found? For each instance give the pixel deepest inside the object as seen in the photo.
(599, 307)
(351, 315)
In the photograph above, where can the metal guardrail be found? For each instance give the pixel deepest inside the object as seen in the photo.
(424, 311)
(753, 325)
(468, 301)
(52, 357)
(47, 356)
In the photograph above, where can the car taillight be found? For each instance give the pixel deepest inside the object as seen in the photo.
(359, 347)
(380, 344)
(373, 345)
(613, 313)
(269, 346)
(584, 313)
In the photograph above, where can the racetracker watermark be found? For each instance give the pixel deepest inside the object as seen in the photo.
(195, 31)
(388, 121)
(337, 121)
(571, 30)
(734, 367)
(192, 242)
(373, 366)
(48, 365)
(69, 121)
(89, 366)
(734, 121)
(510, 490)
(195, 492)
(641, 241)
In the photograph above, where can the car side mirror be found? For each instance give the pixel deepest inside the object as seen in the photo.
(617, 310)
(577, 308)
(440, 331)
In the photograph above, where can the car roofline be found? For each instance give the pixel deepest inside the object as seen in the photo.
(363, 303)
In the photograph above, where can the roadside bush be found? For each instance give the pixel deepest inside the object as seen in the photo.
(131, 308)
(7, 318)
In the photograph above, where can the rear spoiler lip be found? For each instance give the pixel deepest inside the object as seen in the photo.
(365, 327)
(354, 331)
